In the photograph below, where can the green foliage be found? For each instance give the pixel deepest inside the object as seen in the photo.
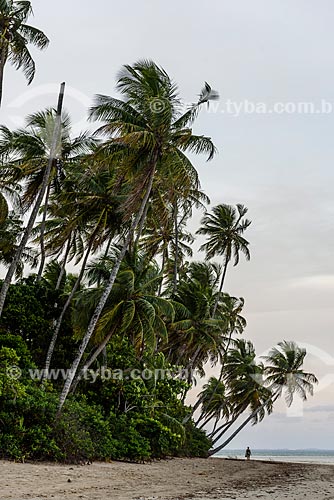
(10, 386)
(130, 444)
(82, 433)
(26, 425)
(197, 443)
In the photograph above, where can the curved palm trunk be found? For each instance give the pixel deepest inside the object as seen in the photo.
(62, 314)
(220, 290)
(224, 428)
(34, 213)
(221, 429)
(248, 419)
(207, 421)
(42, 263)
(105, 295)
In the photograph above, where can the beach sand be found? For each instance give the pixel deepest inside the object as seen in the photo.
(168, 479)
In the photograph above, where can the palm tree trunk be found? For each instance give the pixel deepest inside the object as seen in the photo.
(105, 295)
(41, 266)
(62, 314)
(220, 447)
(91, 360)
(215, 426)
(3, 58)
(221, 429)
(224, 428)
(248, 419)
(176, 230)
(34, 213)
(205, 422)
(162, 271)
(63, 266)
(141, 225)
(220, 290)
(108, 247)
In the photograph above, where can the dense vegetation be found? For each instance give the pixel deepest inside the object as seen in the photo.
(98, 363)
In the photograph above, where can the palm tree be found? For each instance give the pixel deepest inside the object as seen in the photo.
(214, 402)
(284, 374)
(33, 215)
(148, 126)
(194, 337)
(225, 228)
(15, 35)
(132, 309)
(29, 149)
(229, 310)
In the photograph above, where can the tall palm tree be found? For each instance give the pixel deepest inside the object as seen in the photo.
(56, 134)
(15, 36)
(149, 127)
(225, 228)
(28, 152)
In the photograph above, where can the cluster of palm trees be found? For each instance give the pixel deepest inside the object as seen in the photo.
(115, 203)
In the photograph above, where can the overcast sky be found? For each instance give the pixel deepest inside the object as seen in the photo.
(280, 165)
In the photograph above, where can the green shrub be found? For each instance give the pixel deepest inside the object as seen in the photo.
(130, 444)
(82, 433)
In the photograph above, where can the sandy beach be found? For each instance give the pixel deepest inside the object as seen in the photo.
(169, 479)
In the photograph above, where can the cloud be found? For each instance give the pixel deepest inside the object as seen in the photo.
(320, 409)
(320, 281)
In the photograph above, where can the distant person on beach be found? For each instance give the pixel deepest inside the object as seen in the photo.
(248, 453)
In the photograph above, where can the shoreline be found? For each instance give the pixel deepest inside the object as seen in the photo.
(170, 479)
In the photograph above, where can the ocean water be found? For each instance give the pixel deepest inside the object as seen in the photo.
(301, 456)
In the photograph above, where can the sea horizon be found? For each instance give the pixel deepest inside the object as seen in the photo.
(299, 455)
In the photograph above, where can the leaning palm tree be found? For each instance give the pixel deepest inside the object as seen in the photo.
(151, 131)
(225, 228)
(214, 402)
(15, 35)
(283, 374)
(229, 310)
